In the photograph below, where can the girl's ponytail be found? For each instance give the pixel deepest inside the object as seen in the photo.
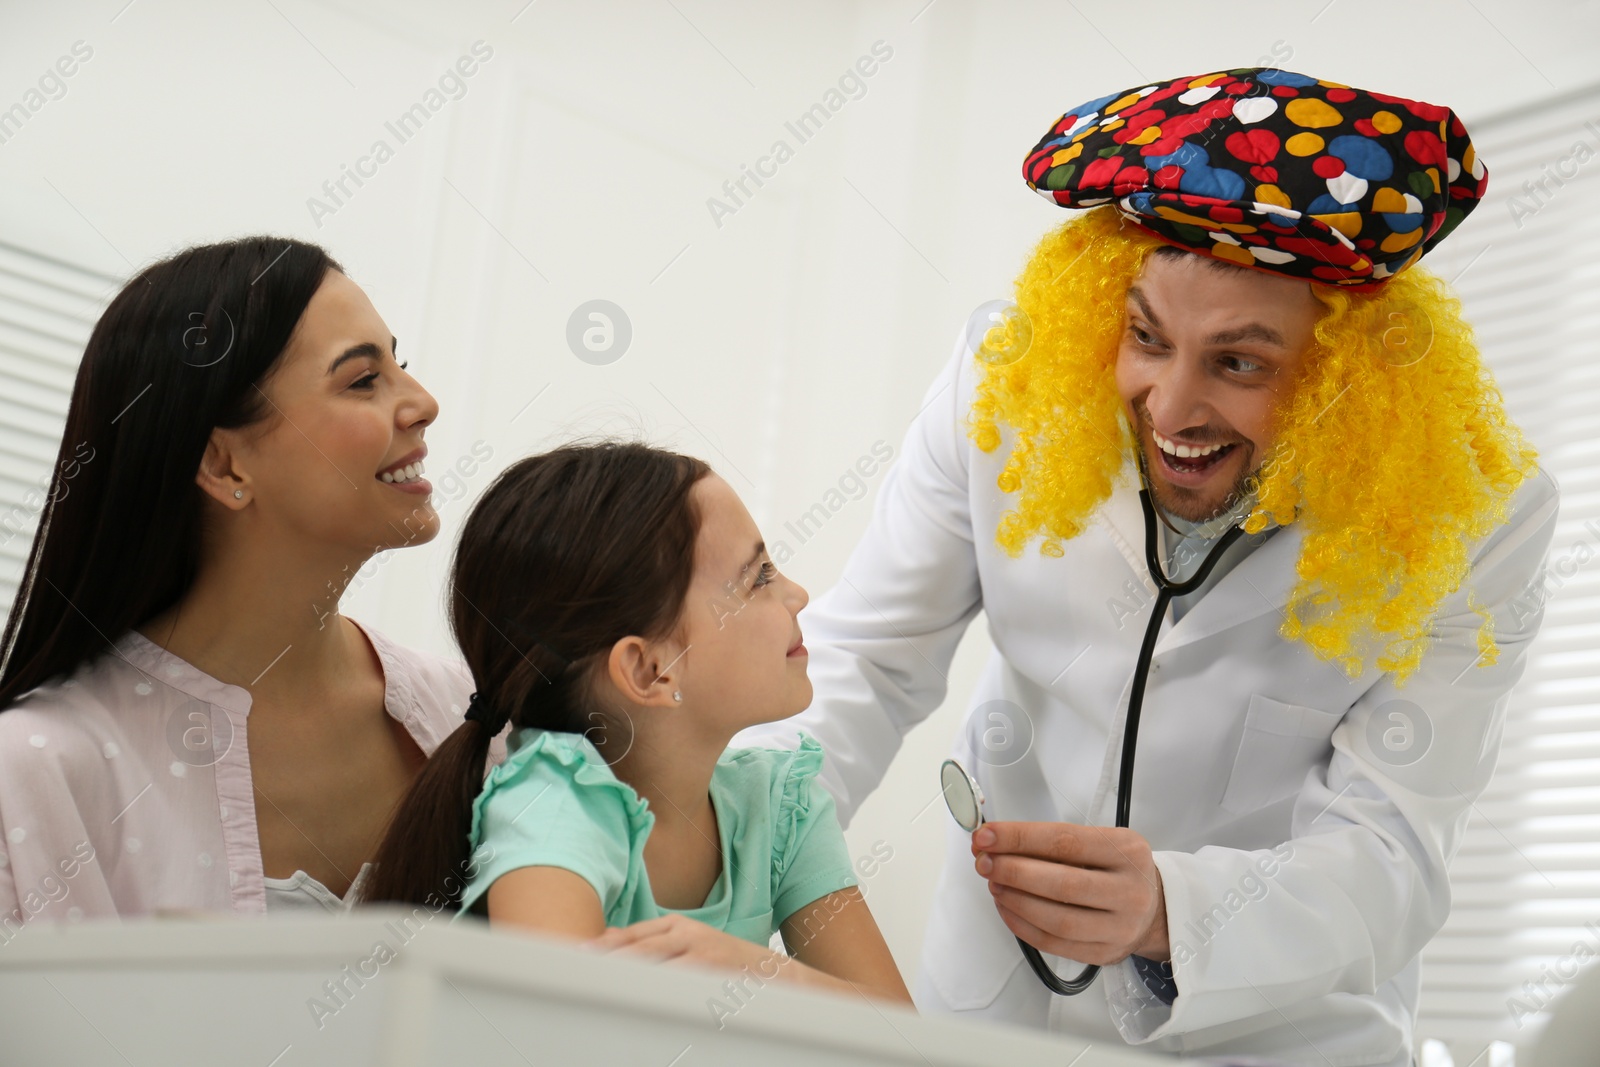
(430, 862)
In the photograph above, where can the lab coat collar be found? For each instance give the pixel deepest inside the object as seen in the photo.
(1260, 583)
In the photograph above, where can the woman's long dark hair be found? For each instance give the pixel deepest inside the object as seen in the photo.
(180, 351)
(565, 554)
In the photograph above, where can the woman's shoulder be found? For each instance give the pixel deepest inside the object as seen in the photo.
(74, 741)
(85, 708)
(40, 734)
(423, 681)
(427, 687)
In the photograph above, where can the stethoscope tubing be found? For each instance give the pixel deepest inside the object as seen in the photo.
(1166, 589)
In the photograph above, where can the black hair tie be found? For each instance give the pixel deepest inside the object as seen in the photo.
(491, 718)
(482, 712)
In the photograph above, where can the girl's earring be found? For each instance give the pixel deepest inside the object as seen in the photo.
(238, 494)
(677, 696)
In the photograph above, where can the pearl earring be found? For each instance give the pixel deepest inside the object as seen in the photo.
(677, 696)
(238, 494)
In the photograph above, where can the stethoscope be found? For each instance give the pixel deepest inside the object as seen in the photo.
(965, 799)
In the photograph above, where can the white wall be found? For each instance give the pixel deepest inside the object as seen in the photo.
(780, 344)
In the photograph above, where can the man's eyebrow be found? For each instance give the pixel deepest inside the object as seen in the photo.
(1255, 331)
(1144, 306)
(365, 350)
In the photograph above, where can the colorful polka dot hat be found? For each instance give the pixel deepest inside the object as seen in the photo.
(1270, 169)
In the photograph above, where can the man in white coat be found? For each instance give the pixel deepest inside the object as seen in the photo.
(1322, 711)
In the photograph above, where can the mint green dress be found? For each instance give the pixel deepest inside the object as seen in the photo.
(555, 802)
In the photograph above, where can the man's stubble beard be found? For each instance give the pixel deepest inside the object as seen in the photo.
(1182, 505)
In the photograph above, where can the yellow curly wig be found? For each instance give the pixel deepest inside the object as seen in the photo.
(1392, 445)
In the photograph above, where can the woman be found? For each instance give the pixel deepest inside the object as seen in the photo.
(189, 723)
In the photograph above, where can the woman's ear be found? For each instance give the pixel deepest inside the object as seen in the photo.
(219, 475)
(643, 672)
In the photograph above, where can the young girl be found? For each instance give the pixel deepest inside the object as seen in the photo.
(616, 606)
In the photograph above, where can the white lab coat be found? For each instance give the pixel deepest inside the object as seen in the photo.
(1248, 744)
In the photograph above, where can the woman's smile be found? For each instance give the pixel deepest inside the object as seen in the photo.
(406, 475)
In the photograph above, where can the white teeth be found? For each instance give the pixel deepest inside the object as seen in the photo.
(408, 473)
(1183, 451)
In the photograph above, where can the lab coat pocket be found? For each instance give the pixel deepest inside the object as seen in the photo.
(1281, 742)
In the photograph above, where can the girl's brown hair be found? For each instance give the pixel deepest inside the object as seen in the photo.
(565, 554)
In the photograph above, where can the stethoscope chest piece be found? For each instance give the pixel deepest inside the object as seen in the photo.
(962, 795)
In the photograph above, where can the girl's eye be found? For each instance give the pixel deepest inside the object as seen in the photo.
(768, 572)
(1141, 336)
(1241, 365)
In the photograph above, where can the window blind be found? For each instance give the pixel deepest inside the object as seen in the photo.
(47, 309)
(1526, 914)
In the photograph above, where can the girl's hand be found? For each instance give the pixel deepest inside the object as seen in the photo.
(836, 945)
(676, 937)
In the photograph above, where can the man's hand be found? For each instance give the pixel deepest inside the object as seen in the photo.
(1089, 893)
